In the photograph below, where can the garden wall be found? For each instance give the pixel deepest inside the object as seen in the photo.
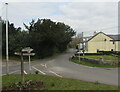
(100, 61)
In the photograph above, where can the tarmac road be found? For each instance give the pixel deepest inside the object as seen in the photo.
(61, 66)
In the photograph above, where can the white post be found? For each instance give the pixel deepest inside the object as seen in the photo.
(7, 38)
(29, 65)
(79, 52)
(82, 43)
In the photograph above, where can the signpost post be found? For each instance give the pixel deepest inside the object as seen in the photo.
(28, 49)
(21, 54)
(22, 68)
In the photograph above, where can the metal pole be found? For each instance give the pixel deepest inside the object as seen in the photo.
(82, 44)
(7, 58)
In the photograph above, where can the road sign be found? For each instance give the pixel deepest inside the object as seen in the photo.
(24, 54)
(27, 49)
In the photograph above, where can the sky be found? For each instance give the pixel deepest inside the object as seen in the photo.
(85, 17)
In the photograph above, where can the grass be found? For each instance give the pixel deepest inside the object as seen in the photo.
(56, 83)
(93, 65)
(105, 57)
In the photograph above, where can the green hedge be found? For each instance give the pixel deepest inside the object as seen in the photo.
(109, 52)
(76, 54)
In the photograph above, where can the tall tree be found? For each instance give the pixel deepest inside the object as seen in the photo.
(46, 36)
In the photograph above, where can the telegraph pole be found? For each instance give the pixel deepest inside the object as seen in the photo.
(82, 44)
(7, 58)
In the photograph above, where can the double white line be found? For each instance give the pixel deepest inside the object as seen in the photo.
(45, 73)
(38, 70)
(56, 74)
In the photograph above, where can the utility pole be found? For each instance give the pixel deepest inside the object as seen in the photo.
(7, 58)
(82, 44)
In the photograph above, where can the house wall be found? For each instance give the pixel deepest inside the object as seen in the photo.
(117, 46)
(98, 42)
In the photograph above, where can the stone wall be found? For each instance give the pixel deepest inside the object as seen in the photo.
(100, 61)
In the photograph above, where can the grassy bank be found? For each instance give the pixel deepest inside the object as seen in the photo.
(93, 65)
(56, 83)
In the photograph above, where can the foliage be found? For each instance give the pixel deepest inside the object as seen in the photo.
(77, 54)
(109, 52)
(44, 36)
(28, 85)
(36, 72)
(47, 36)
(16, 38)
(56, 83)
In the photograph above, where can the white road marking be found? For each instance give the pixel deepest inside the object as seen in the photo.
(38, 70)
(44, 65)
(25, 72)
(55, 74)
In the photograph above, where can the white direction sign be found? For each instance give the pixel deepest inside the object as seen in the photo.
(28, 49)
(24, 54)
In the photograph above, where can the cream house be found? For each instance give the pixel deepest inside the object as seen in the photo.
(101, 42)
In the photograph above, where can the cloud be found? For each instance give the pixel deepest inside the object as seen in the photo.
(82, 16)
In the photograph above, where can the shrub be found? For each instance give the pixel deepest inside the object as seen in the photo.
(36, 72)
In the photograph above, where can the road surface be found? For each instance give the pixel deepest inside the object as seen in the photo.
(61, 66)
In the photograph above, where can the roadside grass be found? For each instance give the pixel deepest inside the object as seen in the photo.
(93, 65)
(105, 57)
(56, 83)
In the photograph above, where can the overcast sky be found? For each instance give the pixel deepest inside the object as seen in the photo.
(84, 17)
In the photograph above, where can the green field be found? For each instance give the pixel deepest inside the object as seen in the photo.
(105, 57)
(56, 83)
(93, 65)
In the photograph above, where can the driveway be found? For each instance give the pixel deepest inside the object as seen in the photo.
(61, 66)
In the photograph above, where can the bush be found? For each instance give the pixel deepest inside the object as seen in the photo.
(109, 52)
(36, 72)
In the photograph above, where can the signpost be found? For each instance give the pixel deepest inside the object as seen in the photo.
(24, 52)
(28, 49)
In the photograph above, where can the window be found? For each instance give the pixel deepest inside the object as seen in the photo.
(113, 42)
(105, 39)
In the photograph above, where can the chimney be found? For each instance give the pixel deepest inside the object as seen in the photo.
(94, 33)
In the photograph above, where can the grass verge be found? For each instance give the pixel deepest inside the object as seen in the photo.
(56, 83)
(93, 65)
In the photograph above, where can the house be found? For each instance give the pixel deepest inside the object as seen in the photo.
(100, 42)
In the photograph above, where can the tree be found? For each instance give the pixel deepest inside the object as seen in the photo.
(46, 36)
(17, 38)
